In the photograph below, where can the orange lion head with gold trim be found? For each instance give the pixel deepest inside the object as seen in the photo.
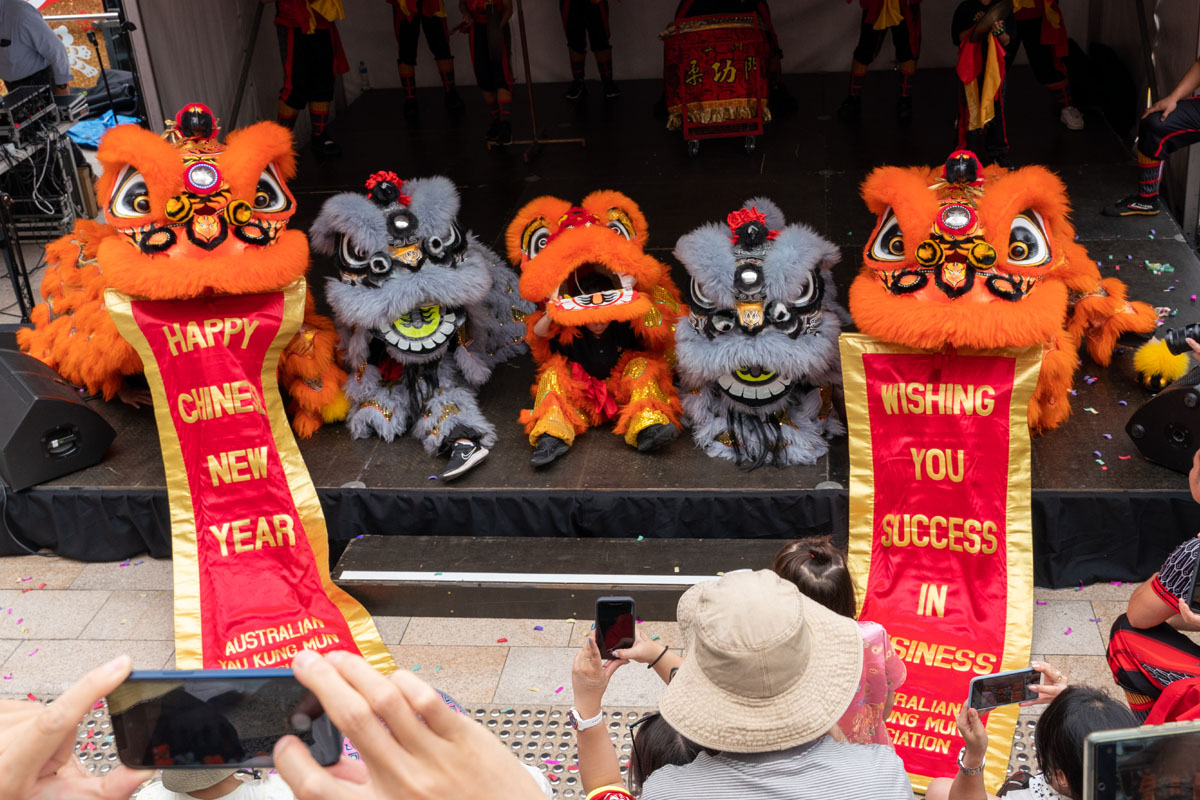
(586, 262)
(977, 258)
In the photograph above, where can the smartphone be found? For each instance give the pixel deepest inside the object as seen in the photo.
(1002, 688)
(1193, 592)
(614, 624)
(216, 718)
(1149, 762)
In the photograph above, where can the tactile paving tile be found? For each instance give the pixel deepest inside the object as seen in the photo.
(94, 745)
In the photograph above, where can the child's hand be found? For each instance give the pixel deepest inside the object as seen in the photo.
(974, 735)
(590, 676)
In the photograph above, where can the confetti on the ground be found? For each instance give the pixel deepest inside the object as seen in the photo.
(534, 689)
(31, 697)
(655, 638)
(1094, 619)
(1124, 458)
(124, 563)
(1090, 380)
(501, 640)
(506, 709)
(99, 704)
(538, 628)
(437, 573)
(1158, 267)
(1067, 632)
(432, 478)
(571, 619)
(1104, 469)
(551, 763)
(1096, 453)
(1098, 461)
(1073, 393)
(416, 668)
(553, 778)
(1041, 602)
(558, 690)
(1107, 435)
(139, 562)
(643, 538)
(8, 677)
(26, 579)
(438, 668)
(1091, 410)
(1122, 403)
(1114, 583)
(677, 569)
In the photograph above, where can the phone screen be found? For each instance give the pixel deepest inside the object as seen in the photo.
(1194, 600)
(614, 624)
(226, 718)
(1161, 766)
(990, 691)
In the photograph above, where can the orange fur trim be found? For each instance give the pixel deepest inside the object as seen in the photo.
(1050, 405)
(248, 151)
(906, 191)
(575, 397)
(149, 154)
(1100, 321)
(541, 276)
(601, 201)
(622, 387)
(548, 208)
(163, 277)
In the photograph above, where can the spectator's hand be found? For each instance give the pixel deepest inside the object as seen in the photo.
(974, 735)
(643, 650)
(1164, 106)
(62, 90)
(590, 676)
(36, 742)
(427, 750)
(1191, 620)
(1053, 686)
(1194, 479)
(1192, 343)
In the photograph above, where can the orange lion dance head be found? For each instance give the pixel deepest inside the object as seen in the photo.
(963, 256)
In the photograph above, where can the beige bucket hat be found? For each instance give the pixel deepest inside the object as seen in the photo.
(766, 669)
(193, 780)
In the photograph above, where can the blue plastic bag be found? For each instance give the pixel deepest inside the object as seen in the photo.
(87, 133)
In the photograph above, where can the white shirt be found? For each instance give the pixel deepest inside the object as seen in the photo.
(271, 787)
(32, 46)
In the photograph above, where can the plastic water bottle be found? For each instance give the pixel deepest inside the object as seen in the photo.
(363, 79)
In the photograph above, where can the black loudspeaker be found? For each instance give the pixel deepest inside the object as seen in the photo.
(46, 430)
(1166, 429)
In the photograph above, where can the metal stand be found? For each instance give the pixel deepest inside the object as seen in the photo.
(535, 144)
(14, 259)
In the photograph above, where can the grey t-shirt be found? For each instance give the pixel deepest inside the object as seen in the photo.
(819, 770)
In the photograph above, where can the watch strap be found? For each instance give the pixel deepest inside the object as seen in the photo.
(579, 723)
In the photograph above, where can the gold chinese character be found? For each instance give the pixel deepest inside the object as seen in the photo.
(694, 76)
(751, 65)
(724, 73)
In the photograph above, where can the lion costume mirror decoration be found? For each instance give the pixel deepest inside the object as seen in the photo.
(963, 256)
(759, 359)
(425, 312)
(187, 215)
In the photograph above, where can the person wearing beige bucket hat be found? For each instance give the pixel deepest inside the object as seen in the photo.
(214, 784)
(767, 676)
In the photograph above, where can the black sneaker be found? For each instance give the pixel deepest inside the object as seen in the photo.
(493, 131)
(504, 133)
(611, 90)
(904, 112)
(575, 91)
(851, 108)
(656, 437)
(1133, 205)
(453, 102)
(548, 449)
(412, 111)
(324, 147)
(463, 456)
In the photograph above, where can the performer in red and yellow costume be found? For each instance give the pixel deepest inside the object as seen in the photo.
(979, 259)
(605, 328)
(187, 216)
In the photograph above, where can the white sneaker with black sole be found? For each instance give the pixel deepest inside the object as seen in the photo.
(463, 457)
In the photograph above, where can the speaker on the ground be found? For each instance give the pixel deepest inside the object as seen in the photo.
(1166, 429)
(46, 429)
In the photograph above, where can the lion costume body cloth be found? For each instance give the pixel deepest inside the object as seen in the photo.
(597, 245)
(187, 215)
(979, 259)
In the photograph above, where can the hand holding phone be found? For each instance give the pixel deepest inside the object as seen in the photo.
(1001, 688)
(614, 625)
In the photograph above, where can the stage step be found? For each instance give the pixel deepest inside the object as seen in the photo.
(534, 577)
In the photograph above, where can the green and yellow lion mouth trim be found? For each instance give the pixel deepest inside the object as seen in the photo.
(423, 329)
(754, 385)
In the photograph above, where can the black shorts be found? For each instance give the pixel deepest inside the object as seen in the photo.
(307, 66)
(1048, 67)
(493, 71)
(409, 30)
(1159, 138)
(584, 19)
(906, 38)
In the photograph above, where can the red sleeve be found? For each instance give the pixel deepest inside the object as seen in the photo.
(1164, 594)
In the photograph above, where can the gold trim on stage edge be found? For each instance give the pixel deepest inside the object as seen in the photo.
(1018, 630)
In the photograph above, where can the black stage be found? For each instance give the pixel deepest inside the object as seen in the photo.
(1089, 524)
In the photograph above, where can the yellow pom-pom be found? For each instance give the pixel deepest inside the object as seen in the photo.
(1157, 366)
(336, 410)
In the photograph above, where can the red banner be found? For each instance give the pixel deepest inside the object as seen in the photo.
(940, 531)
(715, 69)
(249, 543)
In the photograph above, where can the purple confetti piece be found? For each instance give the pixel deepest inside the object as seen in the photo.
(1096, 453)
(1041, 602)
(432, 478)
(558, 690)
(27, 579)
(1114, 583)
(34, 651)
(1067, 632)
(1122, 403)
(1107, 435)
(1095, 619)
(1074, 393)
(8, 677)
(136, 563)
(538, 628)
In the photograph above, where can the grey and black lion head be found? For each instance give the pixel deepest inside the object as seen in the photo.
(406, 269)
(762, 319)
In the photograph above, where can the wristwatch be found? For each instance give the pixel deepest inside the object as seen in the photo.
(577, 722)
(963, 769)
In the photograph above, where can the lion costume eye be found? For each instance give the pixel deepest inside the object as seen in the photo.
(620, 222)
(350, 253)
(269, 196)
(131, 198)
(889, 244)
(1027, 245)
(534, 238)
(699, 298)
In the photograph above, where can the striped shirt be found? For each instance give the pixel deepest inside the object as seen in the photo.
(818, 770)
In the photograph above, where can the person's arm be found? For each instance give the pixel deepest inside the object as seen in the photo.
(1187, 620)
(506, 11)
(645, 651)
(975, 738)
(1146, 609)
(598, 763)
(1055, 683)
(50, 47)
(1186, 87)
(542, 327)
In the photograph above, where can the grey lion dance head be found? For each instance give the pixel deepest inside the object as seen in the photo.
(762, 339)
(424, 313)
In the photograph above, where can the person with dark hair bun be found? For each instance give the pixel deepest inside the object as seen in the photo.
(818, 569)
(656, 744)
(1074, 712)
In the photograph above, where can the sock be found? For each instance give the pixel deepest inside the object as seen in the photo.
(505, 109)
(286, 115)
(604, 64)
(409, 84)
(493, 108)
(856, 84)
(578, 65)
(446, 71)
(1149, 177)
(906, 82)
(1061, 92)
(319, 120)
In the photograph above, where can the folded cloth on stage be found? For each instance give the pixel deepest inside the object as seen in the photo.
(87, 133)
